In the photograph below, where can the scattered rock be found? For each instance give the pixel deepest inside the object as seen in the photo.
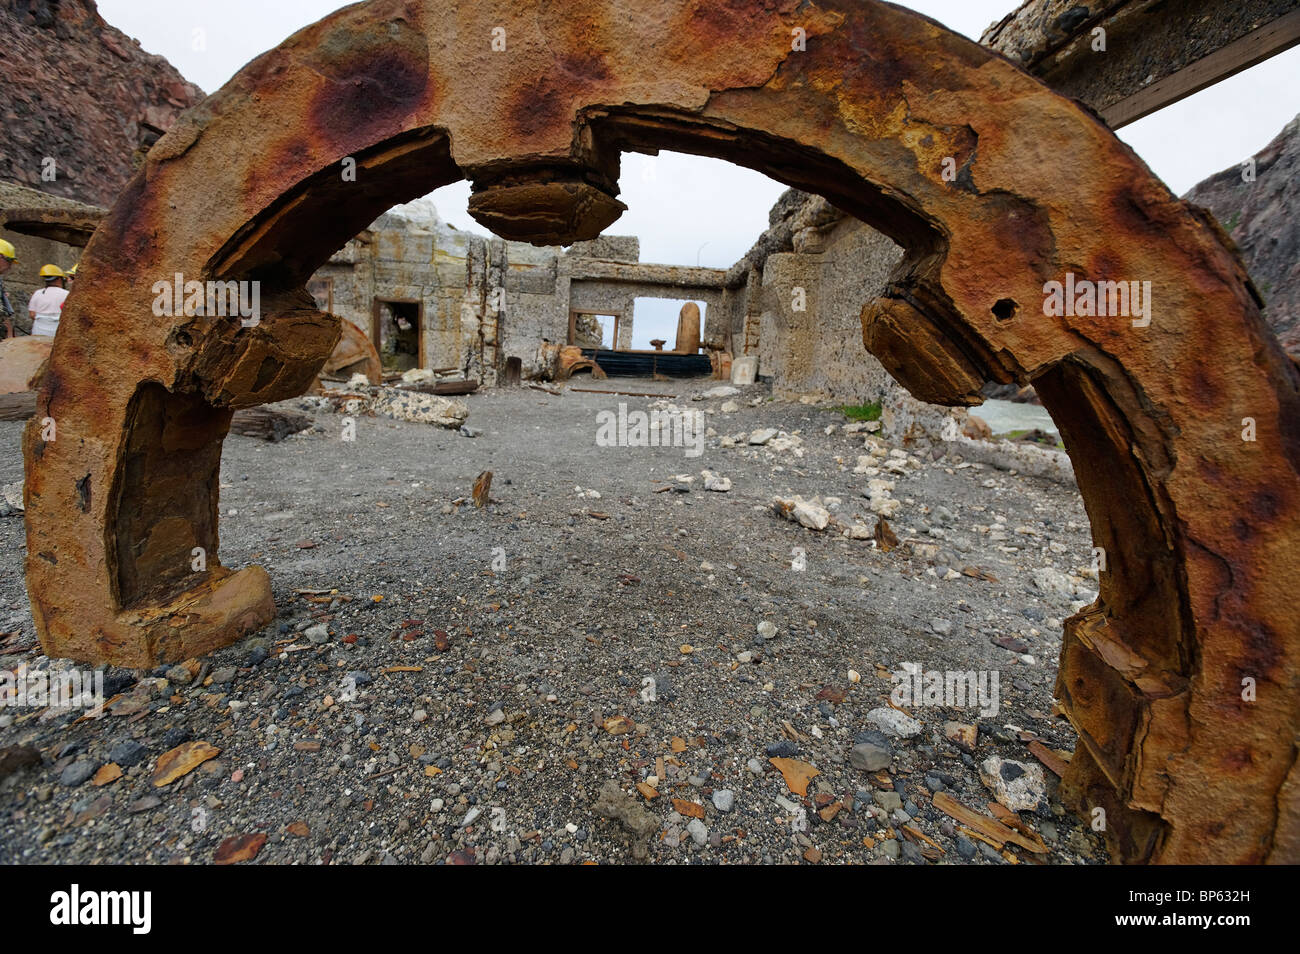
(17, 758)
(77, 773)
(715, 483)
(615, 804)
(894, 723)
(1019, 786)
(962, 735)
(806, 513)
(869, 757)
(182, 760)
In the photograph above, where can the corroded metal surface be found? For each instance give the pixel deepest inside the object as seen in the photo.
(993, 184)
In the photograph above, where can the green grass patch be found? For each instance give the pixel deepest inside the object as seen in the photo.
(862, 412)
(1016, 435)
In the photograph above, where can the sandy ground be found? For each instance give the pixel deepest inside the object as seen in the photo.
(524, 630)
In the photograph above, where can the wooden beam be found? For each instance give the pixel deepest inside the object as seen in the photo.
(18, 406)
(1260, 44)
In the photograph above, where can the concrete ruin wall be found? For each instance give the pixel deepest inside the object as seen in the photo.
(489, 300)
(815, 351)
(830, 263)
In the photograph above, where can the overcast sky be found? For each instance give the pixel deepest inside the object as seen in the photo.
(687, 209)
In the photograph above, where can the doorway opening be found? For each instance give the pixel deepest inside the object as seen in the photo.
(399, 333)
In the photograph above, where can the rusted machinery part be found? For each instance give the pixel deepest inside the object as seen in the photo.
(354, 354)
(994, 185)
(69, 226)
(571, 360)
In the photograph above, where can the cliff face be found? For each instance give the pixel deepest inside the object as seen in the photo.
(82, 93)
(1263, 218)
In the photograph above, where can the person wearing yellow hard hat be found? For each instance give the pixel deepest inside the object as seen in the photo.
(46, 304)
(70, 275)
(8, 255)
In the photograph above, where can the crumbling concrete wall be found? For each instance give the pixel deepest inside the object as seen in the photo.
(811, 335)
(797, 304)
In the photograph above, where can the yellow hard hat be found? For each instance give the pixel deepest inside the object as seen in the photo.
(51, 271)
(72, 272)
(8, 251)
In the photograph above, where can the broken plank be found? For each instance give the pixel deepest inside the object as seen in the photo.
(982, 823)
(648, 394)
(444, 388)
(269, 425)
(1054, 762)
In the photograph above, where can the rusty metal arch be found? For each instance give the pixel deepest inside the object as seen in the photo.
(1199, 527)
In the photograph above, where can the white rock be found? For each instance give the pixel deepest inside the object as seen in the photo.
(894, 723)
(698, 831)
(418, 408)
(721, 391)
(13, 494)
(803, 512)
(762, 436)
(885, 506)
(1019, 786)
(713, 482)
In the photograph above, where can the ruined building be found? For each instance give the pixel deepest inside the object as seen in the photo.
(431, 296)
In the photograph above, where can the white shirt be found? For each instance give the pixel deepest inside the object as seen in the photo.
(48, 305)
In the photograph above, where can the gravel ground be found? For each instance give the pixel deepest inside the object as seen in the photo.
(466, 681)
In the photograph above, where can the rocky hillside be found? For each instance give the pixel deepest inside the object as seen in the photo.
(1263, 218)
(83, 93)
